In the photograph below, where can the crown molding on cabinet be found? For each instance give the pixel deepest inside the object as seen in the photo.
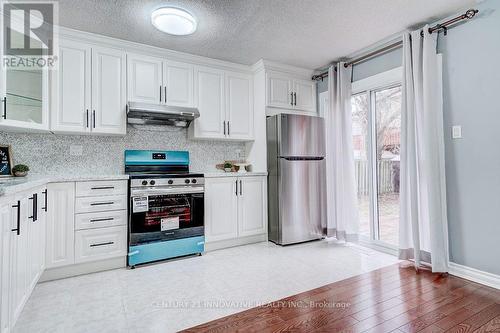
(134, 47)
(264, 64)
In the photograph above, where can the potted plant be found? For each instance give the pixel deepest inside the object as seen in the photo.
(20, 170)
(228, 166)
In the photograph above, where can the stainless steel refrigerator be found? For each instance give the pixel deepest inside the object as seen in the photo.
(296, 182)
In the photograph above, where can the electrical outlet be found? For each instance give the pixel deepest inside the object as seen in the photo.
(456, 132)
(76, 150)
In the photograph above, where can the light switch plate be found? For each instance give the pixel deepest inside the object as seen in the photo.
(456, 132)
(76, 150)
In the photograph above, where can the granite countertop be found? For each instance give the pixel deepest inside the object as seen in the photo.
(18, 184)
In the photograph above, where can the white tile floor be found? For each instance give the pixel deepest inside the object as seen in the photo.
(179, 294)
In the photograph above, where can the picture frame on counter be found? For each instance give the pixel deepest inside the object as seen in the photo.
(5, 161)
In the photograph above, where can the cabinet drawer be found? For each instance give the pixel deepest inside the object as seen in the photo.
(100, 219)
(100, 204)
(102, 243)
(101, 187)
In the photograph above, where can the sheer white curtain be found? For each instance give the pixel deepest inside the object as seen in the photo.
(423, 232)
(342, 210)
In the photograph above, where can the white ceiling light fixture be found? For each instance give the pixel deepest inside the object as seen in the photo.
(174, 21)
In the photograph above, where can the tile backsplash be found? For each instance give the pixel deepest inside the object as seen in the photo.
(49, 154)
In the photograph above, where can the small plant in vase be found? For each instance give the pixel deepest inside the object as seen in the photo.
(20, 170)
(228, 166)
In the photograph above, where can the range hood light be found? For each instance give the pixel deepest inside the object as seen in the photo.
(174, 21)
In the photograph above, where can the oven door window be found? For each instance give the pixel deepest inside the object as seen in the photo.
(167, 217)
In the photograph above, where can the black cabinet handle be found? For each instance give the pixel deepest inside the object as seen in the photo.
(165, 94)
(224, 122)
(5, 107)
(101, 203)
(18, 229)
(45, 194)
(228, 131)
(291, 98)
(295, 98)
(87, 115)
(93, 118)
(160, 94)
(241, 188)
(101, 244)
(102, 220)
(34, 215)
(236, 181)
(102, 188)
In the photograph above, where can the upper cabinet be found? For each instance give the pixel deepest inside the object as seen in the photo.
(24, 97)
(158, 81)
(225, 102)
(285, 91)
(88, 88)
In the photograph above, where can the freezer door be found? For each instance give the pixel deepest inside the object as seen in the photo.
(302, 200)
(301, 135)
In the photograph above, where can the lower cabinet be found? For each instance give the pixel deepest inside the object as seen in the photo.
(235, 210)
(23, 251)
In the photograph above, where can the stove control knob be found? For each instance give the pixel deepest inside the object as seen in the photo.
(187, 181)
(193, 181)
(152, 182)
(170, 182)
(144, 182)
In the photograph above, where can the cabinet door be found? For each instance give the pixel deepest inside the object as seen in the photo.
(71, 92)
(306, 95)
(209, 95)
(19, 266)
(108, 91)
(178, 84)
(252, 205)
(60, 224)
(239, 106)
(279, 89)
(34, 241)
(221, 211)
(5, 256)
(144, 79)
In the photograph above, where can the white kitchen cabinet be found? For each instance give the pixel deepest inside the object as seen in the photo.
(98, 244)
(305, 98)
(60, 224)
(225, 102)
(89, 90)
(279, 90)
(144, 79)
(5, 257)
(109, 98)
(158, 81)
(221, 210)
(71, 86)
(235, 208)
(239, 106)
(209, 96)
(178, 84)
(286, 91)
(252, 209)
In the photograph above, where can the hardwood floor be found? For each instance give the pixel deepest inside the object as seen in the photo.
(391, 299)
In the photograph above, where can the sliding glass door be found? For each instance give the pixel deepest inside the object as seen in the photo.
(376, 128)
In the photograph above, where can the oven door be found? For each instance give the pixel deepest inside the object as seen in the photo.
(158, 214)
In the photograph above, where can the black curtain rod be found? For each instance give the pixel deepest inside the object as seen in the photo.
(437, 28)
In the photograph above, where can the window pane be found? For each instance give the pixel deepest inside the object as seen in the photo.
(360, 144)
(388, 126)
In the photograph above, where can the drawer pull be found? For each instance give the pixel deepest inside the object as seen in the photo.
(101, 244)
(101, 220)
(102, 188)
(102, 203)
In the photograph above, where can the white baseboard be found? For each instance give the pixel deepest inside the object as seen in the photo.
(469, 273)
(211, 246)
(83, 268)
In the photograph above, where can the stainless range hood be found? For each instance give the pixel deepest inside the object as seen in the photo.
(157, 114)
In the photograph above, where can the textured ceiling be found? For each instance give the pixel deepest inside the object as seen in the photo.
(307, 33)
